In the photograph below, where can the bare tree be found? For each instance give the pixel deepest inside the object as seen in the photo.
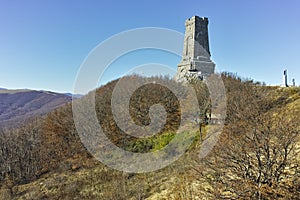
(257, 156)
(203, 113)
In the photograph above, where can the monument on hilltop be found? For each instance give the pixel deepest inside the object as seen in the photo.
(195, 62)
(285, 78)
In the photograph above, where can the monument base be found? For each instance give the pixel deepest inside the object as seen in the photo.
(196, 68)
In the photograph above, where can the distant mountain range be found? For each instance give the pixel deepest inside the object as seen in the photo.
(17, 106)
(75, 96)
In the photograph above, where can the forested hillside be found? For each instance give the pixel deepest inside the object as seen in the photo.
(18, 106)
(256, 156)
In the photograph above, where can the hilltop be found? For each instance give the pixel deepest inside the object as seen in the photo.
(53, 164)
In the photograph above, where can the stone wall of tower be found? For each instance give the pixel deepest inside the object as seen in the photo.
(201, 32)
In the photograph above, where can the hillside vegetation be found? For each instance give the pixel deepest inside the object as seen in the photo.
(19, 106)
(256, 156)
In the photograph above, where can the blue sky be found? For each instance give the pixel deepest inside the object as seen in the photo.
(43, 43)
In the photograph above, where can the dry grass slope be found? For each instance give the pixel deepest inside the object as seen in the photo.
(62, 169)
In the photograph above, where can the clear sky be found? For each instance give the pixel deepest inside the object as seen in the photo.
(43, 43)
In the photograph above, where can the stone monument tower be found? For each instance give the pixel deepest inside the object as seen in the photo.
(285, 78)
(195, 62)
